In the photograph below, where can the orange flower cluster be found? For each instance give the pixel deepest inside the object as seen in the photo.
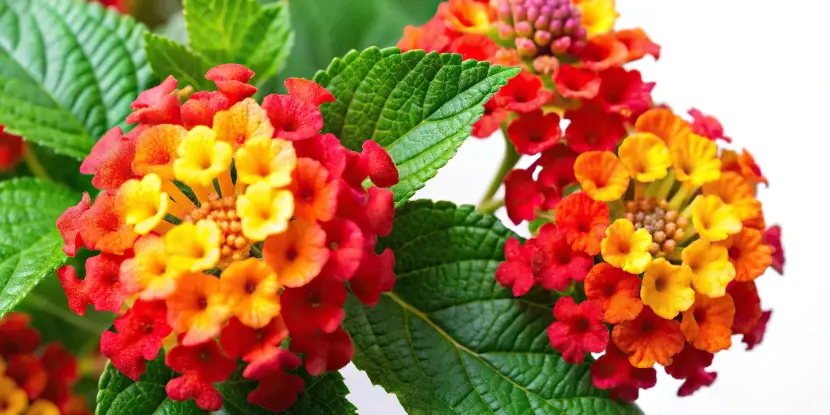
(673, 218)
(223, 221)
(35, 380)
(681, 237)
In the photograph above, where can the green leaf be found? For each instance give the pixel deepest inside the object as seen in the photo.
(30, 245)
(225, 31)
(330, 28)
(68, 71)
(119, 395)
(449, 339)
(325, 394)
(420, 107)
(170, 58)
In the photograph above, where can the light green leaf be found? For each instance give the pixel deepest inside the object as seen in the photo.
(420, 107)
(170, 58)
(228, 31)
(30, 245)
(119, 395)
(449, 339)
(68, 71)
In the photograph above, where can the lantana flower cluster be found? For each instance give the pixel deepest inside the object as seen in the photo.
(222, 228)
(653, 230)
(35, 379)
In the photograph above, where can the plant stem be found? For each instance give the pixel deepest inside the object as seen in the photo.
(511, 157)
(34, 165)
(490, 206)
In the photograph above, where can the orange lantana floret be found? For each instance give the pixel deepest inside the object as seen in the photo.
(735, 191)
(252, 286)
(601, 175)
(707, 325)
(649, 339)
(298, 254)
(198, 308)
(315, 192)
(663, 123)
(583, 220)
(616, 291)
(748, 253)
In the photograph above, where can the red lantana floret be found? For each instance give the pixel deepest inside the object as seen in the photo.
(201, 366)
(578, 329)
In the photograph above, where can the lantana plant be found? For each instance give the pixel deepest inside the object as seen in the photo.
(228, 237)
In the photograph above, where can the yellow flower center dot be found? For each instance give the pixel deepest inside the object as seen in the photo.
(664, 224)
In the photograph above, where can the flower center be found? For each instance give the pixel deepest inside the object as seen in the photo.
(233, 245)
(660, 284)
(665, 225)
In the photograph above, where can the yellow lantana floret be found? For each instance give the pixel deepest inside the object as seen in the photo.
(265, 159)
(202, 157)
(711, 269)
(193, 247)
(713, 219)
(264, 211)
(646, 157)
(601, 175)
(142, 203)
(598, 16)
(695, 160)
(667, 288)
(241, 122)
(43, 407)
(626, 248)
(14, 399)
(252, 286)
(149, 273)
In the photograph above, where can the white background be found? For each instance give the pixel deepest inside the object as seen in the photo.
(759, 66)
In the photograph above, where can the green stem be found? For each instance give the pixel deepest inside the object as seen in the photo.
(491, 206)
(34, 164)
(511, 157)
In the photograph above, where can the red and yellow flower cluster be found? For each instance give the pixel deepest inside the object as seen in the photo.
(35, 380)
(223, 227)
(663, 243)
(666, 237)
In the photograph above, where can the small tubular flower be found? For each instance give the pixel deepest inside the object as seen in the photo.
(264, 211)
(200, 366)
(104, 229)
(315, 191)
(142, 203)
(28, 373)
(317, 305)
(252, 286)
(324, 351)
(748, 253)
(578, 329)
(12, 399)
(690, 365)
(598, 16)
(157, 148)
(240, 340)
(695, 159)
(198, 308)
(16, 336)
(522, 196)
(623, 92)
(277, 389)
(139, 338)
(707, 325)
(346, 244)
(626, 248)
(241, 122)
(735, 191)
(601, 175)
(649, 339)
(576, 83)
(744, 164)
(663, 123)
(710, 266)
(666, 288)
(298, 254)
(584, 221)
(293, 119)
(747, 306)
(523, 94)
(645, 156)
(534, 132)
(193, 247)
(756, 335)
(613, 371)
(69, 224)
(592, 128)
(616, 291)
(264, 159)
(202, 157)
(707, 126)
(637, 43)
(148, 272)
(772, 237)
(713, 219)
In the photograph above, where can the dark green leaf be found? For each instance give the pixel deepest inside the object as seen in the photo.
(170, 58)
(30, 245)
(449, 339)
(330, 28)
(119, 395)
(418, 106)
(68, 71)
(226, 31)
